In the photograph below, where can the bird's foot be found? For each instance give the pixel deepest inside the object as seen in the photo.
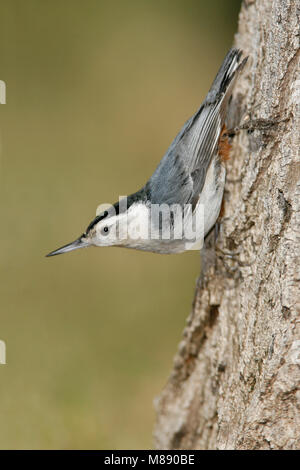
(250, 125)
(233, 256)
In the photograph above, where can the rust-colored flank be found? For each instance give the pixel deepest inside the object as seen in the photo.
(224, 145)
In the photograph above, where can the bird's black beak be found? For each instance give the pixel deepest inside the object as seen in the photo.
(81, 242)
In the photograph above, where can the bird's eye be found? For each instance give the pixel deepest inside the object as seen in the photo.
(105, 230)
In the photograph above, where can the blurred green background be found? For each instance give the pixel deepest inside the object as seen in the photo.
(96, 91)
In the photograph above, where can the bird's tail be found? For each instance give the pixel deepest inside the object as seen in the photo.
(204, 129)
(225, 78)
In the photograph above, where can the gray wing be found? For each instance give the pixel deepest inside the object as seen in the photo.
(180, 176)
(171, 183)
(181, 173)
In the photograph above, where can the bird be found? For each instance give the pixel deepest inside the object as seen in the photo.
(186, 187)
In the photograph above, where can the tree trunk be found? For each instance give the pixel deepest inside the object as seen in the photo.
(235, 380)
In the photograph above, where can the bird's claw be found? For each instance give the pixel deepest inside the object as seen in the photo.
(234, 256)
(251, 125)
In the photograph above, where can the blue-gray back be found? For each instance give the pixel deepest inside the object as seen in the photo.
(180, 176)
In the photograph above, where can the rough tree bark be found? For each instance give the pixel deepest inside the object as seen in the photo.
(235, 380)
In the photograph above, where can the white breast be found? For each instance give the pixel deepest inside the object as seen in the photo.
(212, 195)
(139, 219)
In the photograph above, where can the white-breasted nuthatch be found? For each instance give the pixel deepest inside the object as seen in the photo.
(188, 181)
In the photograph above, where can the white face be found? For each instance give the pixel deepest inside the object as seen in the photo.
(126, 229)
(133, 229)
